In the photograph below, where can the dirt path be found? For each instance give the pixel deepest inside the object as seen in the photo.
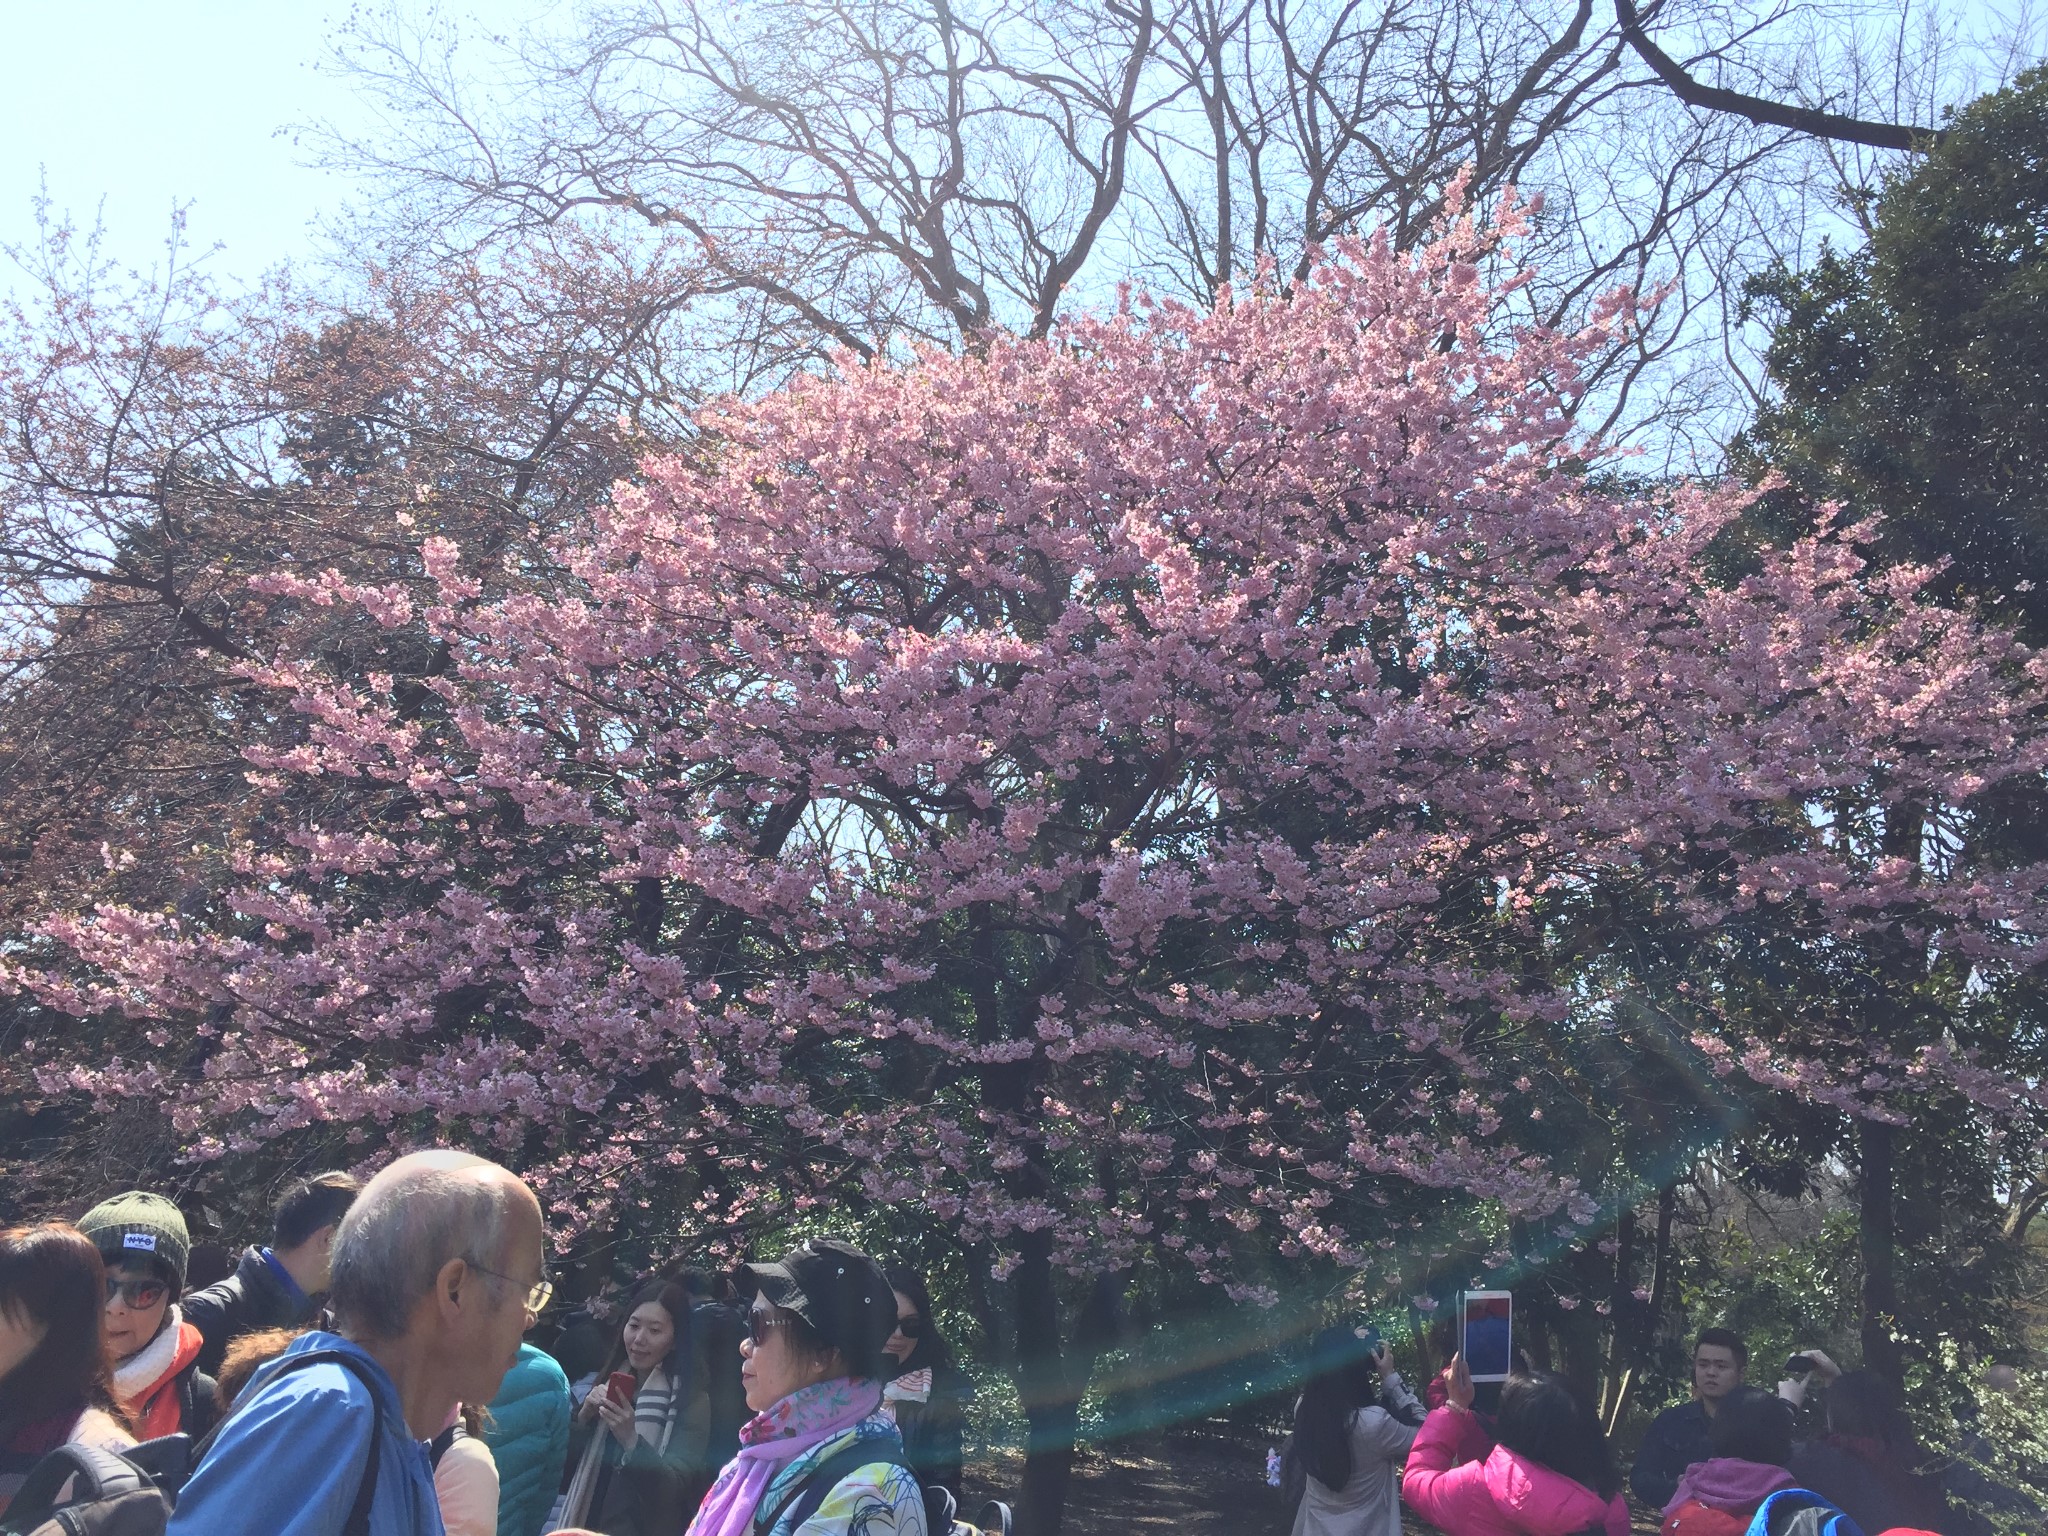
(1196, 1480)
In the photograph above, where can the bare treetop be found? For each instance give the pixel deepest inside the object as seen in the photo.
(896, 173)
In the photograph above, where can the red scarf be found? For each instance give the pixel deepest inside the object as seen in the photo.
(157, 1407)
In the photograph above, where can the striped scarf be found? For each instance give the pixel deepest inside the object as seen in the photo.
(651, 1419)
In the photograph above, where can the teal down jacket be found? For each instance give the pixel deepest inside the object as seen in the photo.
(528, 1434)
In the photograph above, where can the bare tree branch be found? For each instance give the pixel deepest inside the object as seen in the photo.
(1772, 114)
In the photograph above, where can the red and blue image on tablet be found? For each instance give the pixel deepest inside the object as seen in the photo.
(1488, 1337)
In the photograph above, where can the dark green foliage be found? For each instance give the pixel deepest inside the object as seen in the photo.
(1914, 373)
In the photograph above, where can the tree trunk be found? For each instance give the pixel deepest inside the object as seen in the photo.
(981, 1301)
(1660, 1276)
(1651, 1315)
(1621, 1312)
(1880, 1292)
(1051, 1399)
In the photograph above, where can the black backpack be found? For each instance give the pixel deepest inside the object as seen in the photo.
(132, 1492)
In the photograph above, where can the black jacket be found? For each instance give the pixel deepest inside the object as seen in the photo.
(250, 1299)
(1877, 1495)
(1675, 1440)
(648, 1490)
(933, 1431)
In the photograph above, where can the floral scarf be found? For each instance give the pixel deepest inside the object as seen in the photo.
(770, 1441)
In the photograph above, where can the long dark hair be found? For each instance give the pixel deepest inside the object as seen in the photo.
(931, 1347)
(1753, 1425)
(1542, 1419)
(1861, 1407)
(53, 1275)
(1344, 1382)
(675, 1301)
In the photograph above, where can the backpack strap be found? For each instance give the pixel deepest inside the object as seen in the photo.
(438, 1446)
(358, 1522)
(802, 1501)
(100, 1474)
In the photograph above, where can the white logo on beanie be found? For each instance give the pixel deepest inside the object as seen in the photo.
(144, 1240)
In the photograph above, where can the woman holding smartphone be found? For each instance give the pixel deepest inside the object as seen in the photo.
(639, 1438)
(1352, 1431)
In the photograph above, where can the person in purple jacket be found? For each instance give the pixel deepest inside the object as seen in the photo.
(437, 1271)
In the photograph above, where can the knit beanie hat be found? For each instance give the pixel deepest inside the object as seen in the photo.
(139, 1225)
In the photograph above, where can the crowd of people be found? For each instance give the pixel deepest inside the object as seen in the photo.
(1725, 1463)
(368, 1373)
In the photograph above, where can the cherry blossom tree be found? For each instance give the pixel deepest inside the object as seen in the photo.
(1162, 794)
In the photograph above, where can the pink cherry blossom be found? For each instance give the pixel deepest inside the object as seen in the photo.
(1127, 795)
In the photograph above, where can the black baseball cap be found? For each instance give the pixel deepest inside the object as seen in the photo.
(838, 1290)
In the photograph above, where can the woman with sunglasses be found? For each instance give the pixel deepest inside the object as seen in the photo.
(638, 1457)
(927, 1393)
(818, 1458)
(56, 1387)
(143, 1242)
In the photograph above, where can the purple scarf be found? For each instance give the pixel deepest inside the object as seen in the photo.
(1730, 1484)
(770, 1441)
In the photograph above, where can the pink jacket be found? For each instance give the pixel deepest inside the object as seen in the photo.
(1504, 1494)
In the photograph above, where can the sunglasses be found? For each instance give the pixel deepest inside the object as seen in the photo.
(910, 1327)
(760, 1324)
(141, 1295)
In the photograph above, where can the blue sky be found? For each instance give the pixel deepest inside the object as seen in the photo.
(140, 102)
(128, 105)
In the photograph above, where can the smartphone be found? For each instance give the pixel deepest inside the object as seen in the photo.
(1368, 1338)
(1488, 1336)
(1800, 1365)
(624, 1386)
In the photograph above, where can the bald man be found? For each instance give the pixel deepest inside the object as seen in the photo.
(438, 1269)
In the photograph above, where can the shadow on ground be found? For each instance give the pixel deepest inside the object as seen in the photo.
(1204, 1479)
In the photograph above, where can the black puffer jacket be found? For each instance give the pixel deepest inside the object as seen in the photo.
(250, 1299)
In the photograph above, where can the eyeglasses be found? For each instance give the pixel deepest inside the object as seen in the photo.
(911, 1327)
(761, 1324)
(140, 1295)
(537, 1296)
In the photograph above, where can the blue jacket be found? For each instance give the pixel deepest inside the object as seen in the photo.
(1676, 1439)
(528, 1433)
(290, 1458)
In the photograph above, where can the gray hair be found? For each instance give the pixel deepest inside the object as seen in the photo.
(398, 1235)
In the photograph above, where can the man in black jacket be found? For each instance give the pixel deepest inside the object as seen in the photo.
(274, 1287)
(1678, 1436)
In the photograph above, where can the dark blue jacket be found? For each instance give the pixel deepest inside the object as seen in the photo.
(1676, 1439)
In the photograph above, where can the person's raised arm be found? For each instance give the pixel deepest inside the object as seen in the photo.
(1442, 1471)
(1793, 1388)
(1394, 1394)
